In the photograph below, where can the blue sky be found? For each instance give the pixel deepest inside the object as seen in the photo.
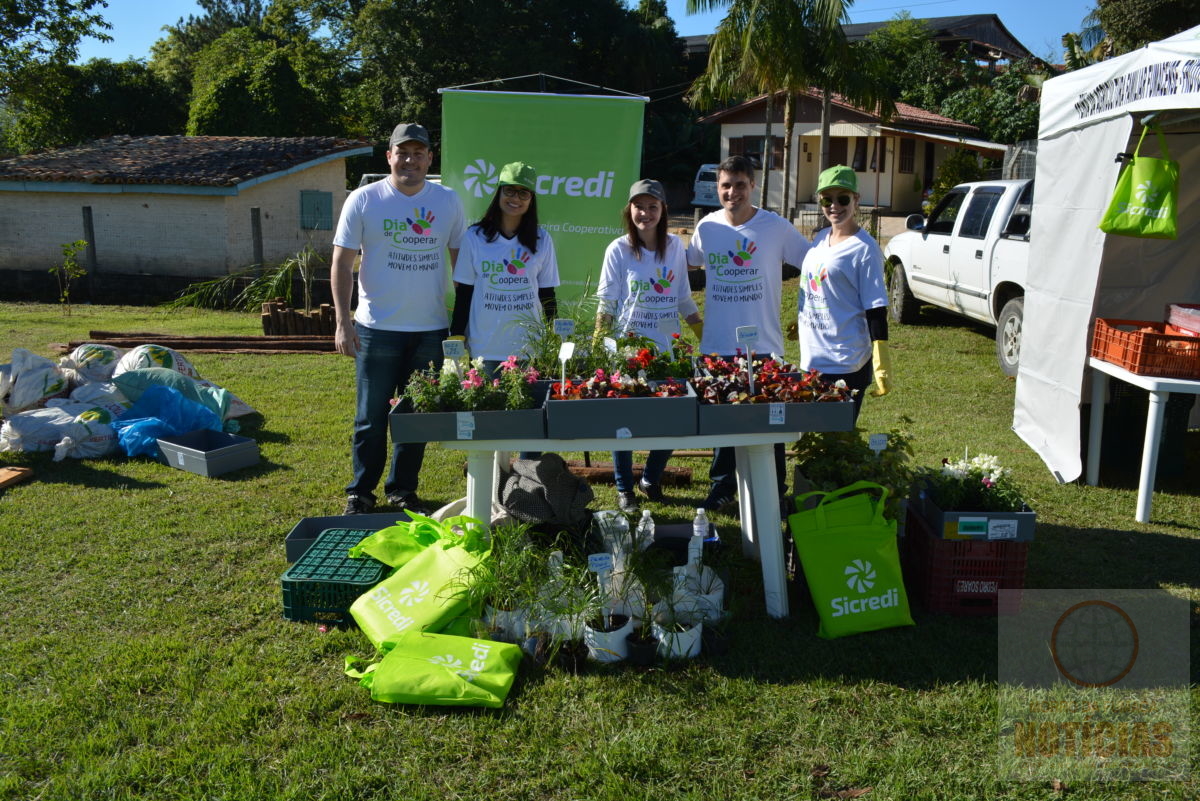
(1037, 24)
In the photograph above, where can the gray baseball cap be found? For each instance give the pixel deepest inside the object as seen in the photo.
(649, 187)
(409, 132)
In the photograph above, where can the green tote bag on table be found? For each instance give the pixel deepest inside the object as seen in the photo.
(851, 560)
(1145, 199)
(440, 669)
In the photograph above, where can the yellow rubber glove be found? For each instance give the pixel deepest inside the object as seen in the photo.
(793, 331)
(698, 330)
(882, 359)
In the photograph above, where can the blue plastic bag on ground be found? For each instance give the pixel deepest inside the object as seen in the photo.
(160, 412)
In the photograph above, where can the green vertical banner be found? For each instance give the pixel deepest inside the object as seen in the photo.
(586, 149)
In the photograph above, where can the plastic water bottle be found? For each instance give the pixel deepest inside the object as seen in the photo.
(645, 531)
(699, 535)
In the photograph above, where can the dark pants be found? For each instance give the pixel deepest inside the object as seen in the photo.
(384, 362)
(656, 463)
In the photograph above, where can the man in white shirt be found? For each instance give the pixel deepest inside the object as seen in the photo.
(405, 227)
(743, 250)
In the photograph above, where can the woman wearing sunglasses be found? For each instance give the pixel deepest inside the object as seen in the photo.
(506, 272)
(644, 289)
(843, 300)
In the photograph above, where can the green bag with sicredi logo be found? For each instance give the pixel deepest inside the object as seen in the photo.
(851, 560)
(441, 669)
(1145, 199)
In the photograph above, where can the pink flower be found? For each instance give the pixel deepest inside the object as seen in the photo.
(599, 374)
(473, 380)
(509, 364)
(531, 375)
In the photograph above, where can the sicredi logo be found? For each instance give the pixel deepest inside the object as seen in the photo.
(480, 178)
(413, 594)
(1147, 193)
(860, 577)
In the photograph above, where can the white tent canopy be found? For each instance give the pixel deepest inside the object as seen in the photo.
(1078, 273)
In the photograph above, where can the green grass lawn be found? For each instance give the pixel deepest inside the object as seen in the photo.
(143, 654)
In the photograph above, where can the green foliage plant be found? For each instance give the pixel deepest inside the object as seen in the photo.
(68, 270)
(832, 459)
(445, 389)
(960, 166)
(975, 484)
(248, 289)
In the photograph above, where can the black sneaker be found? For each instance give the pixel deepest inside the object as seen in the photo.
(628, 502)
(652, 492)
(719, 499)
(359, 504)
(407, 501)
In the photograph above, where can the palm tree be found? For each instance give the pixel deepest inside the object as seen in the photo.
(790, 46)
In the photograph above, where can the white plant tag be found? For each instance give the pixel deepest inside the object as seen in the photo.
(454, 348)
(1002, 530)
(877, 443)
(564, 327)
(747, 334)
(465, 423)
(610, 344)
(776, 414)
(599, 562)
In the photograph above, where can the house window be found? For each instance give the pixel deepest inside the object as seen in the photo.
(860, 154)
(908, 155)
(752, 148)
(316, 210)
(878, 154)
(837, 150)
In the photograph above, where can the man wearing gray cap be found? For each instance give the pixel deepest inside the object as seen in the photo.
(405, 227)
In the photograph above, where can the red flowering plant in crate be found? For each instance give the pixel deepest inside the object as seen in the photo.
(616, 384)
(723, 381)
(641, 354)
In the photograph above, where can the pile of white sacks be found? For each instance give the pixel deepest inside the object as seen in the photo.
(69, 407)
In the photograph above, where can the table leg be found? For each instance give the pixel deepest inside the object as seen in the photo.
(481, 484)
(745, 491)
(1096, 425)
(764, 497)
(1154, 424)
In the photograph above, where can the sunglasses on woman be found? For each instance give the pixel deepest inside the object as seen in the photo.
(516, 191)
(826, 202)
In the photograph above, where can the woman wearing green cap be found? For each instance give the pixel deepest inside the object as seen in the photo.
(843, 299)
(644, 289)
(506, 272)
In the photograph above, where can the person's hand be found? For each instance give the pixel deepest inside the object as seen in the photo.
(882, 358)
(345, 339)
(793, 331)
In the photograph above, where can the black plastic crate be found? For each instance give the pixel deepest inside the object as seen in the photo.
(324, 582)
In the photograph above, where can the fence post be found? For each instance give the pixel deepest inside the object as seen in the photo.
(256, 235)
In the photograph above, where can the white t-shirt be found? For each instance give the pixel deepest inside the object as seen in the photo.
(506, 278)
(646, 295)
(745, 277)
(838, 284)
(403, 278)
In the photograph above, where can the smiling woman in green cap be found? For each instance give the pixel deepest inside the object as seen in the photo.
(506, 272)
(843, 300)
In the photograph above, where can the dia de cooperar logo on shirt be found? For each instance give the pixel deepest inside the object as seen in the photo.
(735, 266)
(814, 285)
(507, 275)
(414, 230)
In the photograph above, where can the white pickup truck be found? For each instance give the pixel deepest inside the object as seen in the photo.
(969, 257)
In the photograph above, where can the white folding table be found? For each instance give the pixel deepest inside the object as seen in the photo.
(761, 536)
(1159, 389)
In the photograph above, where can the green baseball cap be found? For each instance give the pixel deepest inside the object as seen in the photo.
(518, 173)
(838, 176)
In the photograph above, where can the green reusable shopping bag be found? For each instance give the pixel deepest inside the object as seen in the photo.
(1145, 199)
(396, 545)
(851, 561)
(424, 668)
(425, 594)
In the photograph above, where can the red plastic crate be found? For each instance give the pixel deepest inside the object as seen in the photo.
(1153, 352)
(962, 577)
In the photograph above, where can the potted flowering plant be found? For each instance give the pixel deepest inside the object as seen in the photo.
(780, 397)
(443, 404)
(641, 354)
(974, 498)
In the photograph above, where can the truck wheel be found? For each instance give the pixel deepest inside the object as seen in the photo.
(1008, 335)
(902, 306)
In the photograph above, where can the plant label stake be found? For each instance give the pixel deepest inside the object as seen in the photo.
(610, 344)
(748, 335)
(564, 327)
(453, 350)
(565, 351)
(877, 443)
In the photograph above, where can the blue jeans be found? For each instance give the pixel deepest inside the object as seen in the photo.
(383, 365)
(656, 463)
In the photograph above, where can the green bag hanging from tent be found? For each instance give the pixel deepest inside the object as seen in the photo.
(851, 561)
(441, 669)
(1147, 194)
(425, 594)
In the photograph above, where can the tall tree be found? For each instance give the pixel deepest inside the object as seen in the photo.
(1131, 24)
(173, 57)
(37, 32)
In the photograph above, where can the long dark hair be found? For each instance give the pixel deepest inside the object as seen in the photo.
(527, 229)
(660, 231)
